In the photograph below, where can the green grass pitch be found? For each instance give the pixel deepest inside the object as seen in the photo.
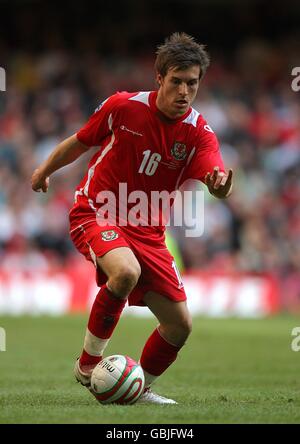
(230, 371)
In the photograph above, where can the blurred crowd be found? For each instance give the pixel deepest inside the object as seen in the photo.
(246, 98)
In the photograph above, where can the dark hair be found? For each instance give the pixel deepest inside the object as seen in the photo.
(181, 51)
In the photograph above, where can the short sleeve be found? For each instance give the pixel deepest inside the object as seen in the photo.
(99, 124)
(207, 154)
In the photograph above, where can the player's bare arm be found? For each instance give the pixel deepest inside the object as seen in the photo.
(219, 184)
(65, 153)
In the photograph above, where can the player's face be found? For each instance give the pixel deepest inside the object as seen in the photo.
(177, 90)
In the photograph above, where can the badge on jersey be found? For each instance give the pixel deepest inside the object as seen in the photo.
(178, 151)
(109, 235)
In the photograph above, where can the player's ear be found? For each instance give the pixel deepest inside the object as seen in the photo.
(159, 79)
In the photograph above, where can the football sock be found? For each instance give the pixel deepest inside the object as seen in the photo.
(104, 316)
(93, 345)
(88, 361)
(157, 356)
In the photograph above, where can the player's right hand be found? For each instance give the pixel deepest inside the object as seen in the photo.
(38, 182)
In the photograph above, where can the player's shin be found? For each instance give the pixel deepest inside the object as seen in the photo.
(104, 316)
(157, 356)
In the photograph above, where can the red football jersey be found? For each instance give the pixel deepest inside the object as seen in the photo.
(143, 150)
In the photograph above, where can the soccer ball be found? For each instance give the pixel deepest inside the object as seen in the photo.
(117, 379)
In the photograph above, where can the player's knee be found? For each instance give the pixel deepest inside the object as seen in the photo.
(124, 280)
(184, 328)
(178, 333)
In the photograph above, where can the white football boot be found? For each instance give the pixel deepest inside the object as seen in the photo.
(153, 398)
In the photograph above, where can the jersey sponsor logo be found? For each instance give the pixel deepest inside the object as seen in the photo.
(178, 151)
(109, 235)
(208, 128)
(135, 133)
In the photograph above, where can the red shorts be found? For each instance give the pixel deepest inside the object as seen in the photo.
(158, 269)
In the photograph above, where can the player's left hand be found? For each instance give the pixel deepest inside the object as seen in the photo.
(219, 184)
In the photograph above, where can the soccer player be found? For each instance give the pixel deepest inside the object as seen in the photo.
(150, 141)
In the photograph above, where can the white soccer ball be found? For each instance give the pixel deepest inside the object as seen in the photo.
(117, 379)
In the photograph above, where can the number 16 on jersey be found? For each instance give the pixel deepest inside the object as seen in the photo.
(149, 163)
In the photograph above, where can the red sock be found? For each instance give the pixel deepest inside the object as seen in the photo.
(105, 313)
(104, 316)
(158, 354)
(89, 360)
